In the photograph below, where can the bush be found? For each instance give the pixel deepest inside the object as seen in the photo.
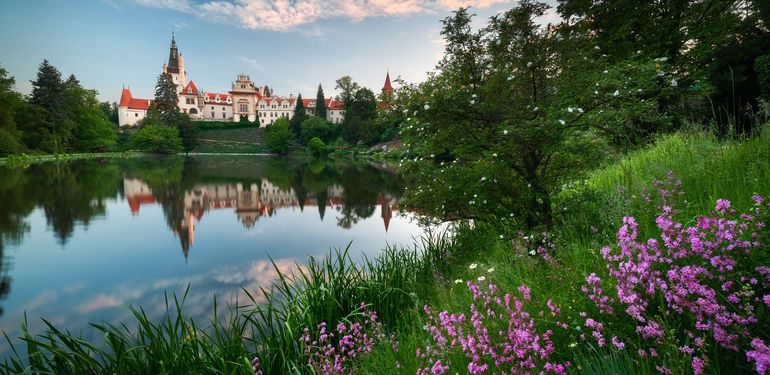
(316, 127)
(158, 139)
(316, 147)
(279, 136)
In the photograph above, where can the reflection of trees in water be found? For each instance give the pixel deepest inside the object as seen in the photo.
(69, 194)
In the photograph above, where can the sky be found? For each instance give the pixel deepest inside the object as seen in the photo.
(289, 45)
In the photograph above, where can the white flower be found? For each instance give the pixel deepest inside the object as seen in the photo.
(580, 110)
(570, 109)
(606, 71)
(616, 93)
(596, 92)
(427, 107)
(673, 82)
(510, 78)
(529, 64)
(501, 236)
(473, 96)
(473, 266)
(661, 59)
(532, 252)
(473, 102)
(459, 281)
(562, 122)
(597, 48)
(661, 73)
(505, 132)
(491, 270)
(494, 155)
(415, 113)
(535, 109)
(481, 278)
(529, 186)
(483, 179)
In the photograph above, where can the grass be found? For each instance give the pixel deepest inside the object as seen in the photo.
(231, 139)
(401, 280)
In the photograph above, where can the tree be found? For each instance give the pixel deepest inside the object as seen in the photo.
(347, 88)
(299, 117)
(278, 136)
(91, 131)
(10, 137)
(712, 45)
(316, 147)
(48, 94)
(360, 113)
(514, 111)
(267, 91)
(320, 103)
(166, 105)
(314, 127)
(166, 97)
(110, 110)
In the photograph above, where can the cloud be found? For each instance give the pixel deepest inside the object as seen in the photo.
(250, 62)
(287, 15)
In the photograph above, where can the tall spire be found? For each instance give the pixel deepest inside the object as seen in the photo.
(387, 89)
(173, 56)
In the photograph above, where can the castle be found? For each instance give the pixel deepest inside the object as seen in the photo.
(244, 100)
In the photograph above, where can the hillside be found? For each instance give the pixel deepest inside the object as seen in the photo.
(230, 139)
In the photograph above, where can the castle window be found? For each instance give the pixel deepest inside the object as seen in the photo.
(212, 107)
(212, 114)
(223, 115)
(136, 115)
(244, 107)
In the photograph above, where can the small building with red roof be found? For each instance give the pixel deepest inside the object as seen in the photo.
(131, 110)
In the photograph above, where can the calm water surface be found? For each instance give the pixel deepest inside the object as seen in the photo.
(81, 240)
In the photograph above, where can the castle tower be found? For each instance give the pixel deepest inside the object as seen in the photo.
(175, 66)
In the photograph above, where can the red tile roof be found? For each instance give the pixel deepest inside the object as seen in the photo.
(132, 103)
(190, 88)
(211, 97)
(136, 103)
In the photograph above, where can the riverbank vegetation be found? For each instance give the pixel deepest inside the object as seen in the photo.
(607, 201)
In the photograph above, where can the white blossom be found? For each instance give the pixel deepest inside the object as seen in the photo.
(562, 122)
(616, 93)
(473, 266)
(427, 107)
(459, 281)
(505, 132)
(481, 278)
(491, 270)
(529, 64)
(673, 82)
(532, 252)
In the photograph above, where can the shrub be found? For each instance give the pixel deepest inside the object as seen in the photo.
(316, 147)
(158, 139)
(316, 127)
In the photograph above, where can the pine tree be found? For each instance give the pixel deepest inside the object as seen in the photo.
(48, 94)
(166, 98)
(267, 91)
(320, 103)
(299, 116)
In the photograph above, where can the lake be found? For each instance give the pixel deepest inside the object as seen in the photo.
(81, 240)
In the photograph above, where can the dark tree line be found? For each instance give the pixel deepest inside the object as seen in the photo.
(58, 116)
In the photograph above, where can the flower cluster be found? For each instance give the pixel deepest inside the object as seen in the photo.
(703, 277)
(497, 336)
(333, 349)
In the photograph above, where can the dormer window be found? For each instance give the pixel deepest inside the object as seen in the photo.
(229, 100)
(217, 99)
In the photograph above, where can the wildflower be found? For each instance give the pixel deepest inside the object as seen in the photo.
(427, 107)
(562, 122)
(473, 102)
(616, 93)
(673, 82)
(662, 59)
(491, 270)
(481, 278)
(529, 64)
(532, 252)
(494, 154)
(597, 48)
(459, 281)
(505, 132)
(501, 236)
(473, 266)
(570, 109)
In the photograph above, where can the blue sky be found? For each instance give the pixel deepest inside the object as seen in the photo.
(290, 45)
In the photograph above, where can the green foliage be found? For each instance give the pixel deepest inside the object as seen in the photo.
(299, 117)
(360, 113)
(317, 127)
(188, 132)
(157, 139)
(53, 132)
(762, 68)
(320, 103)
(316, 147)
(279, 137)
(10, 136)
(166, 97)
(347, 88)
(514, 112)
(91, 130)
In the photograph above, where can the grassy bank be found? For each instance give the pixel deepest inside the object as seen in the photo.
(535, 267)
(28, 159)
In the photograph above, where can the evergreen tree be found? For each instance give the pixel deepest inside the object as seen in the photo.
(320, 103)
(299, 117)
(267, 91)
(48, 94)
(166, 98)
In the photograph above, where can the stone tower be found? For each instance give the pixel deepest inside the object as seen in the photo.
(175, 66)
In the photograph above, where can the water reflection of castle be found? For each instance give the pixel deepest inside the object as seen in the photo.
(250, 203)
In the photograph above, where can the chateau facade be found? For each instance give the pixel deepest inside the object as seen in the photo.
(243, 101)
